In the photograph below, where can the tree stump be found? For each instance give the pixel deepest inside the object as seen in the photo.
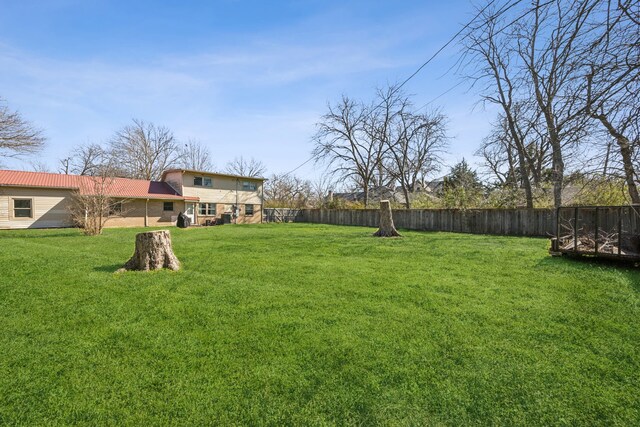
(387, 229)
(153, 252)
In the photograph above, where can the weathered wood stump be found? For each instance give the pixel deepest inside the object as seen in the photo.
(153, 252)
(387, 229)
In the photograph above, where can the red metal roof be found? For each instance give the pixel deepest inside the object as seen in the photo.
(114, 187)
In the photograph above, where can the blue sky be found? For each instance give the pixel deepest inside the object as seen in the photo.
(245, 78)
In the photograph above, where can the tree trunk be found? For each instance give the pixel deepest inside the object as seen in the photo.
(407, 199)
(558, 177)
(521, 152)
(629, 172)
(557, 162)
(387, 229)
(153, 252)
(626, 151)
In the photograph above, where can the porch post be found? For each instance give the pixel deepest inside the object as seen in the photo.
(262, 203)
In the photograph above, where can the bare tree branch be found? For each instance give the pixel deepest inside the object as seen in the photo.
(144, 150)
(250, 168)
(287, 191)
(196, 156)
(18, 137)
(92, 205)
(87, 159)
(342, 143)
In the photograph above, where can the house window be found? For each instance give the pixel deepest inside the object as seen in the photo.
(115, 209)
(168, 206)
(248, 210)
(200, 181)
(249, 186)
(22, 208)
(207, 209)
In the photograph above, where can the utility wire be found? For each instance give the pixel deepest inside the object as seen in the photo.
(301, 165)
(441, 95)
(500, 11)
(443, 47)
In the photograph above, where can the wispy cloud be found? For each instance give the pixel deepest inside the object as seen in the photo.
(258, 96)
(76, 100)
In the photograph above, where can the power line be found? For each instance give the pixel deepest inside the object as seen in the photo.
(441, 95)
(500, 11)
(443, 47)
(497, 14)
(301, 165)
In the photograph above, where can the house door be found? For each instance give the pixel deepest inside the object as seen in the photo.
(190, 211)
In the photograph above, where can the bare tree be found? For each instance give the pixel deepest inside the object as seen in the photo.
(380, 127)
(18, 137)
(627, 8)
(92, 205)
(407, 144)
(196, 156)
(86, 159)
(550, 44)
(504, 161)
(321, 190)
(250, 168)
(144, 150)
(39, 166)
(382, 143)
(342, 143)
(498, 153)
(493, 56)
(287, 191)
(612, 90)
(415, 149)
(536, 65)
(64, 165)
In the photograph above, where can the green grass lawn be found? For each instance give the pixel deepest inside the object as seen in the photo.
(313, 324)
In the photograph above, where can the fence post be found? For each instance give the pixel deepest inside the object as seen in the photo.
(575, 229)
(595, 237)
(620, 230)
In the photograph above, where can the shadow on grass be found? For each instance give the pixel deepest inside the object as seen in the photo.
(108, 268)
(33, 234)
(629, 269)
(591, 260)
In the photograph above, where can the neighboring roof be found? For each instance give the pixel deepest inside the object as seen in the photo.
(257, 178)
(115, 187)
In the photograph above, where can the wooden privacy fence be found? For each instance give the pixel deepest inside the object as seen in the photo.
(280, 214)
(511, 222)
(605, 231)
